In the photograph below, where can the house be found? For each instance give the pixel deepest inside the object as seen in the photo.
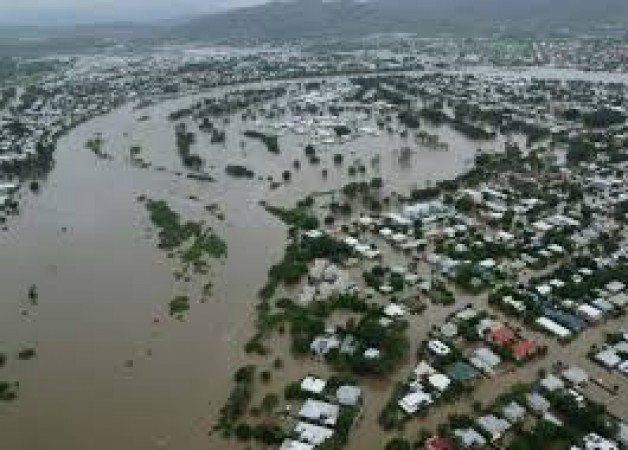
(523, 349)
(394, 310)
(494, 426)
(348, 395)
(312, 434)
(537, 402)
(513, 412)
(589, 313)
(603, 305)
(290, 444)
(319, 412)
(438, 347)
(615, 287)
(461, 371)
(439, 443)
(469, 437)
(322, 345)
(570, 321)
(551, 418)
(552, 383)
(488, 357)
(349, 345)
(575, 375)
(608, 358)
(439, 381)
(412, 402)
(422, 369)
(553, 327)
(501, 335)
(594, 441)
(313, 385)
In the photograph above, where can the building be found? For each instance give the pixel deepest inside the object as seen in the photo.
(312, 434)
(313, 385)
(349, 395)
(523, 349)
(320, 413)
(469, 437)
(494, 426)
(439, 443)
(290, 444)
(414, 401)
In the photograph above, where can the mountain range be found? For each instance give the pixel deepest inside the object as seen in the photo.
(288, 19)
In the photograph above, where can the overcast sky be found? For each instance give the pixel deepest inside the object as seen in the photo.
(82, 11)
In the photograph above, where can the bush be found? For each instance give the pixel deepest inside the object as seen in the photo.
(268, 434)
(243, 432)
(26, 354)
(179, 304)
(398, 444)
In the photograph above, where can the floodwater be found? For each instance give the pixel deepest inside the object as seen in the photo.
(112, 369)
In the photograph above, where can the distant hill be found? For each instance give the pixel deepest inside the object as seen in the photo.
(33, 41)
(317, 18)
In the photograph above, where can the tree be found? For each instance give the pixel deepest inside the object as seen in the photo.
(338, 159)
(398, 444)
(310, 151)
(286, 175)
(377, 183)
(270, 402)
(243, 432)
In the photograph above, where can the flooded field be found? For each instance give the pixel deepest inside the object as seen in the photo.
(112, 369)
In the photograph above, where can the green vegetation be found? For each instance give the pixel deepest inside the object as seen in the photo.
(339, 440)
(301, 250)
(173, 234)
(95, 145)
(398, 444)
(184, 141)
(237, 405)
(179, 305)
(270, 141)
(237, 171)
(26, 354)
(8, 391)
(391, 417)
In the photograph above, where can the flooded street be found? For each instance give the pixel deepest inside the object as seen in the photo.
(112, 369)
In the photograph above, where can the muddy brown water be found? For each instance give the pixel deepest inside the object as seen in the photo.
(112, 370)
